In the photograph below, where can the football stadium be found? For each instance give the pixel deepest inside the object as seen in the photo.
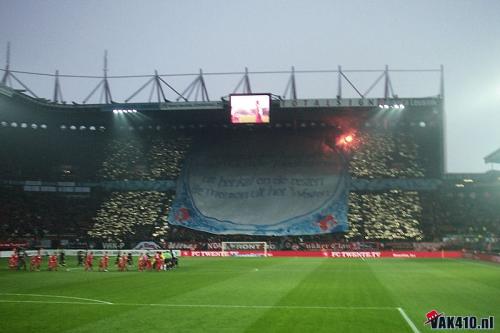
(253, 212)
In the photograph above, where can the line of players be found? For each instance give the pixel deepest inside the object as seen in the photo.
(160, 261)
(19, 258)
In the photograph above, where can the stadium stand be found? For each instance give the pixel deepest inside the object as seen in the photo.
(62, 156)
(126, 216)
(391, 153)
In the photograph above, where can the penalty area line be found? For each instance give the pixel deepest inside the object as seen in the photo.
(408, 320)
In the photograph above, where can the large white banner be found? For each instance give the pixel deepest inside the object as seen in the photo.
(263, 184)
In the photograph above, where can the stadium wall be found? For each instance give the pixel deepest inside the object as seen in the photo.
(313, 254)
(330, 254)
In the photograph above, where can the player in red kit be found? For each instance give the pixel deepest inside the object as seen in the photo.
(122, 263)
(53, 262)
(36, 261)
(104, 262)
(89, 261)
(13, 260)
(141, 263)
(149, 264)
(33, 263)
(158, 261)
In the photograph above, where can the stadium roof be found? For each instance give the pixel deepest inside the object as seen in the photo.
(494, 157)
(162, 89)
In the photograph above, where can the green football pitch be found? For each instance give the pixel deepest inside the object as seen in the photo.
(251, 295)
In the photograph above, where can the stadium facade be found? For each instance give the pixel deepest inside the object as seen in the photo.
(368, 169)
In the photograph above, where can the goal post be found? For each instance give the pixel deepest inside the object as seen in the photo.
(245, 249)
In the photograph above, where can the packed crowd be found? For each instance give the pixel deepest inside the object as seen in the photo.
(100, 216)
(81, 157)
(159, 155)
(152, 157)
(33, 215)
(471, 217)
(131, 215)
(386, 155)
(392, 215)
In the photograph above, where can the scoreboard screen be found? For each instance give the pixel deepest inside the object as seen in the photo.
(250, 108)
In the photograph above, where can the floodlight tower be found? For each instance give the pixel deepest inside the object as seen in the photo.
(57, 89)
(8, 75)
(106, 91)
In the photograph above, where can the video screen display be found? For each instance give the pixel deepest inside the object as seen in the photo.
(250, 109)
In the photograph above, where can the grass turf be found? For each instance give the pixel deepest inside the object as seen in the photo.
(250, 295)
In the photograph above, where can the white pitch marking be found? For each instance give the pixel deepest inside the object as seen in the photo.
(287, 307)
(57, 296)
(408, 320)
(52, 302)
(234, 306)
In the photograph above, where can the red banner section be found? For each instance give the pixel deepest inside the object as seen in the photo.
(12, 245)
(330, 254)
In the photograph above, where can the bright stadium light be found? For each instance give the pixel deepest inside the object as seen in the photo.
(43, 126)
(83, 128)
(116, 111)
(24, 125)
(4, 124)
(13, 124)
(92, 128)
(72, 127)
(63, 127)
(34, 126)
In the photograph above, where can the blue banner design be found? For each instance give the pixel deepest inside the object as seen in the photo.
(263, 185)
